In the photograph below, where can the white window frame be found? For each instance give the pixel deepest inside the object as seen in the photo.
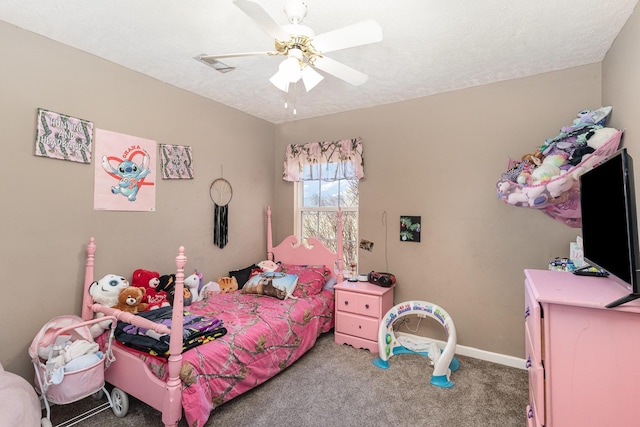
(298, 209)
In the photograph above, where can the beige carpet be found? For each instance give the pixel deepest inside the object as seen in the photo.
(337, 385)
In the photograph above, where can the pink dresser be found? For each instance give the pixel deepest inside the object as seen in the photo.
(583, 359)
(360, 306)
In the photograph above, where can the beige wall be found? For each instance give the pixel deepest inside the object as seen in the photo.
(47, 214)
(438, 157)
(621, 86)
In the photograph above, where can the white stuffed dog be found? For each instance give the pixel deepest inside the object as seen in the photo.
(106, 291)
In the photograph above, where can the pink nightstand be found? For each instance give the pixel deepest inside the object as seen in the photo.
(360, 306)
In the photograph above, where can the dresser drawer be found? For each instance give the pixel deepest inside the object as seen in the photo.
(536, 380)
(533, 321)
(366, 305)
(358, 326)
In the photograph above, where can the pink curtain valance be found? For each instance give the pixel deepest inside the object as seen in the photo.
(338, 159)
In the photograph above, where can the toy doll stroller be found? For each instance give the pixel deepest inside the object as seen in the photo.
(69, 366)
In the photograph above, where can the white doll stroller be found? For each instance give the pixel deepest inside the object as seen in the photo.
(70, 366)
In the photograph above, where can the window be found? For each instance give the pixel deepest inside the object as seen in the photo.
(326, 176)
(317, 204)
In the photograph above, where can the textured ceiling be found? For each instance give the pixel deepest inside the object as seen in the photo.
(428, 46)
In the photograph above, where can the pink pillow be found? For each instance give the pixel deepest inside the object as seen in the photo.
(311, 278)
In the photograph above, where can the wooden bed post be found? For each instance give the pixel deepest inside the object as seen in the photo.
(87, 301)
(172, 406)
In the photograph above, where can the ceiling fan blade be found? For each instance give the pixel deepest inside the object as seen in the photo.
(340, 70)
(357, 34)
(263, 19)
(206, 58)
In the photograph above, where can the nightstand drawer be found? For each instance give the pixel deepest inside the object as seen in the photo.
(357, 326)
(366, 305)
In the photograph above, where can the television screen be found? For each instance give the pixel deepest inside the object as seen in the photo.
(609, 230)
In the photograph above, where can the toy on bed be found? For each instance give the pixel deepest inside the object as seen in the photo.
(227, 284)
(264, 335)
(152, 283)
(548, 178)
(130, 299)
(106, 292)
(193, 285)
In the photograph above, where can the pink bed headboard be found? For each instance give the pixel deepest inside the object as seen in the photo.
(291, 251)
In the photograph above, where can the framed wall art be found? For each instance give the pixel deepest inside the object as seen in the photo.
(176, 161)
(63, 137)
(410, 228)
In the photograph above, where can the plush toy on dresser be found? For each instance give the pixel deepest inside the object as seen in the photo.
(106, 292)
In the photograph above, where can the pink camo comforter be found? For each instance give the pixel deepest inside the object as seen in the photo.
(264, 336)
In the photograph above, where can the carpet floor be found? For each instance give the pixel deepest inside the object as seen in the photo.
(338, 385)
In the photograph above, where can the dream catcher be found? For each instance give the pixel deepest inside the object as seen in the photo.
(221, 193)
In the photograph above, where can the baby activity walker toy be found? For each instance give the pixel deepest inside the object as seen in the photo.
(391, 342)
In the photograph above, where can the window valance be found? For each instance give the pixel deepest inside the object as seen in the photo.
(340, 159)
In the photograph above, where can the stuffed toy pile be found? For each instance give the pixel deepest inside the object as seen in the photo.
(151, 282)
(548, 178)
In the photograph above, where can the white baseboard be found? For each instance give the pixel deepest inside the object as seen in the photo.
(502, 359)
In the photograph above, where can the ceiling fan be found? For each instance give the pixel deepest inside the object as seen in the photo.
(303, 50)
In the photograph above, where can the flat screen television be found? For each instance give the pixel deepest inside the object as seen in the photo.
(609, 223)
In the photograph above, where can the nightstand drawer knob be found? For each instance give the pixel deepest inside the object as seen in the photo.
(528, 364)
(366, 306)
(346, 303)
(527, 312)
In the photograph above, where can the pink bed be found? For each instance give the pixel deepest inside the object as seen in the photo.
(264, 336)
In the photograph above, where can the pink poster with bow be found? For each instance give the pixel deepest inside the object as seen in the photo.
(125, 172)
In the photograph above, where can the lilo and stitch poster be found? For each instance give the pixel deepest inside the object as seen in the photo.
(125, 172)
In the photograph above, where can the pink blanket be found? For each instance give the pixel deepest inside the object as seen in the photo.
(264, 336)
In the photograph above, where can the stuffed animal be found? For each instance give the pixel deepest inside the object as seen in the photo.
(227, 284)
(600, 137)
(106, 291)
(267, 265)
(150, 281)
(193, 283)
(549, 169)
(587, 118)
(130, 300)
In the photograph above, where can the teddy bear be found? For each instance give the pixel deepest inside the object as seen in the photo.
(130, 300)
(227, 284)
(150, 281)
(106, 291)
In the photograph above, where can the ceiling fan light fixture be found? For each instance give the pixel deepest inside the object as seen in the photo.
(288, 72)
(310, 77)
(280, 81)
